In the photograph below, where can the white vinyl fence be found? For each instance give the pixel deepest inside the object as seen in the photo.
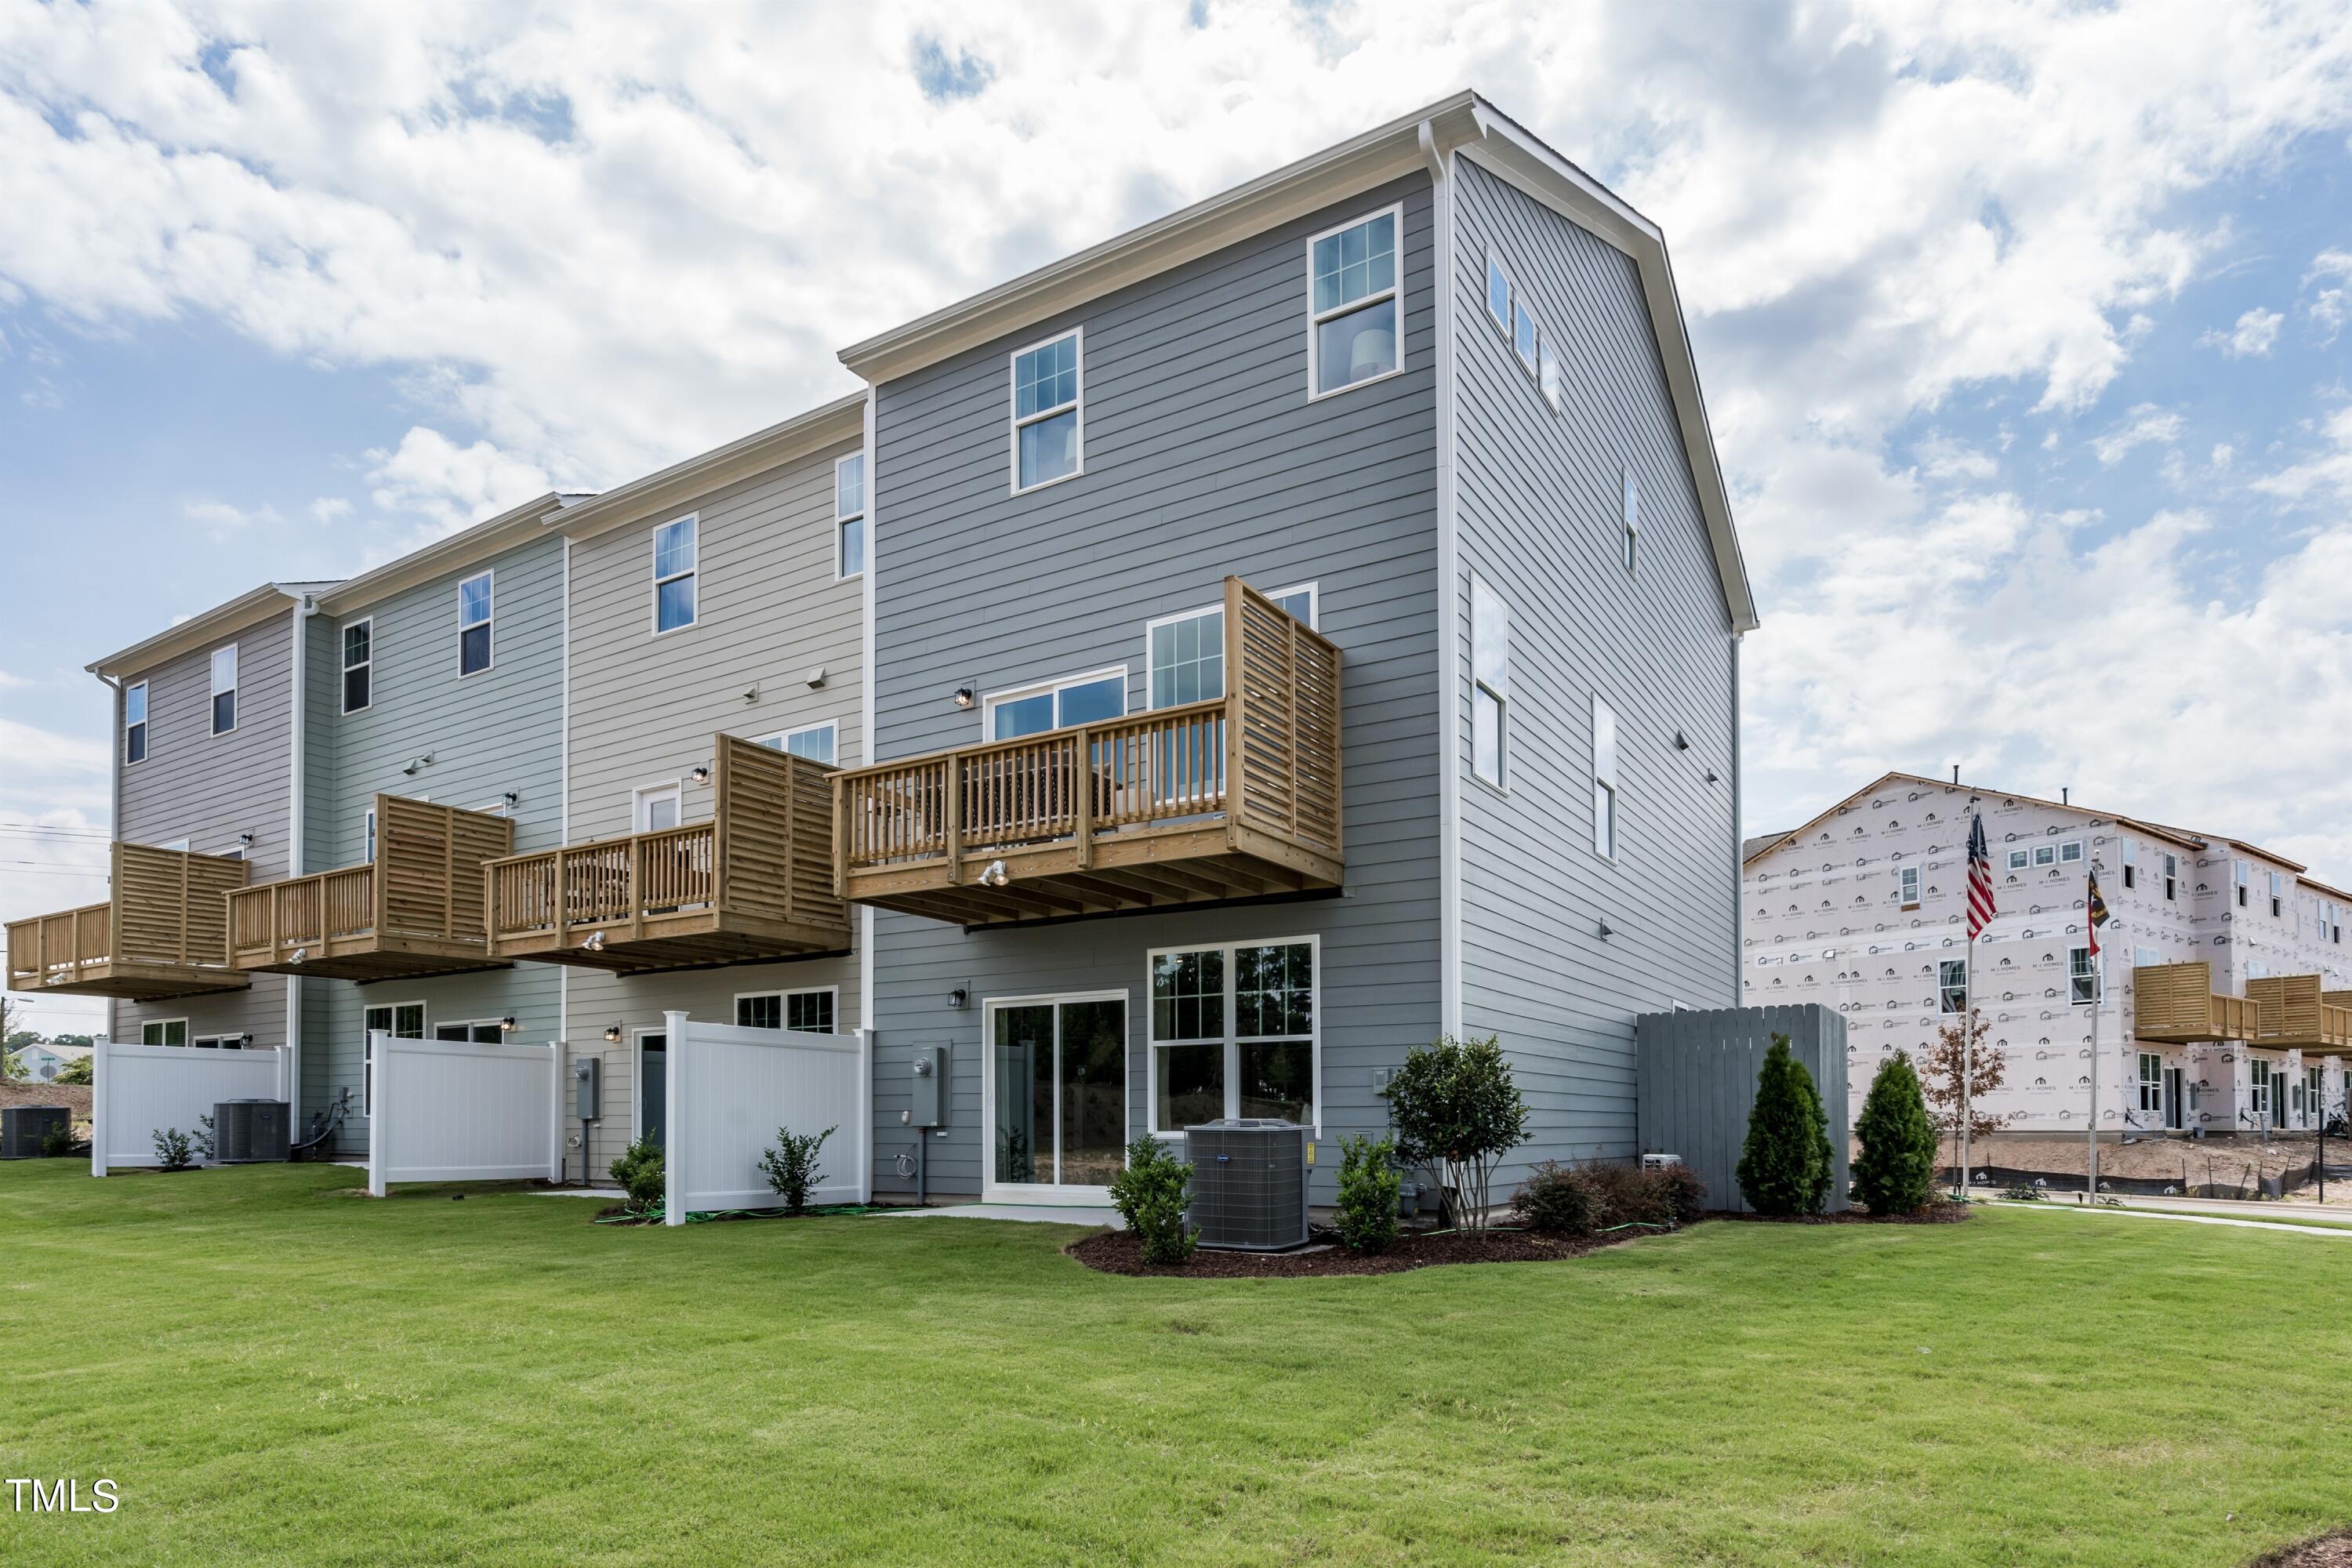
(137, 1090)
(731, 1088)
(451, 1110)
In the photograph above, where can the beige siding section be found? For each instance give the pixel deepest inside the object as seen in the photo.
(208, 789)
(770, 608)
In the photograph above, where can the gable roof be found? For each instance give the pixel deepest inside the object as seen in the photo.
(247, 609)
(463, 547)
(1464, 124)
(1755, 849)
(721, 466)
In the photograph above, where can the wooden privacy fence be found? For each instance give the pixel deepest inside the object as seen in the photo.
(1260, 765)
(730, 1090)
(137, 1090)
(162, 932)
(1695, 1079)
(454, 1111)
(416, 908)
(755, 880)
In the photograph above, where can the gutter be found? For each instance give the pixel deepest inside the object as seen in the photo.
(296, 825)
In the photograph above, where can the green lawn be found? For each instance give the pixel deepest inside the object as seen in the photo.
(273, 1371)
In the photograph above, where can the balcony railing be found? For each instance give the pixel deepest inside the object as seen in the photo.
(415, 909)
(160, 935)
(2177, 1002)
(1234, 797)
(2292, 1012)
(752, 884)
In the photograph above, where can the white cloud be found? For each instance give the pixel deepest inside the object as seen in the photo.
(223, 519)
(451, 485)
(2223, 454)
(2250, 338)
(331, 508)
(2330, 305)
(2326, 473)
(2146, 425)
(1942, 457)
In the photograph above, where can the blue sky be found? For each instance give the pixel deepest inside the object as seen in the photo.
(2024, 327)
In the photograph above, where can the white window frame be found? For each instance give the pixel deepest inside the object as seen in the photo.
(1550, 375)
(990, 1189)
(2044, 855)
(2171, 878)
(367, 1047)
(212, 708)
(2151, 1087)
(1946, 987)
(1015, 422)
(783, 1001)
(1604, 778)
(490, 619)
(1230, 1036)
(142, 724)
(2090, 972)
(147, 1023)
(1315, 319)
(2020, 860)
(2259, 1088)
(1502, 780)
(842, 520)
(692, 576)
(994, 699)
(496, 1026)
(344, 665)
(1495, 268)
(367, 824)
(1629, 518)
(782, 740)
(643, 796)
(1906, 885)
(1314, 612)
(1531, 359)
(216, 1042)
(2076, 858)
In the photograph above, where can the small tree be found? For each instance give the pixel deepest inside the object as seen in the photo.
(1896, 1168)
(1150, 1194)
(1786, 1165)
(13, 1068)
(1455, 1107)
(81, 1069)
(1368, 1185)
(1940, 1079)
(792, 1165)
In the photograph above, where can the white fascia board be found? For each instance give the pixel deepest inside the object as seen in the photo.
(668, 489)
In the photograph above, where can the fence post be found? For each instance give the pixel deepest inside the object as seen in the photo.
(380, 1044)
(555, 1119)
(100, 1048)
(673, 1028)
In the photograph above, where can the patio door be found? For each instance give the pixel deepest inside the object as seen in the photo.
(2172, 1098)
(1054, 1099)
(653, 1089)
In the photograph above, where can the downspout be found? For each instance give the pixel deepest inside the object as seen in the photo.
(1739, 863)
(1449, 652)
(563, 835)
(296, 791)
(866, 729)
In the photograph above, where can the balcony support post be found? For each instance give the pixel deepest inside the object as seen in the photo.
(951, 787)
(1082, 774)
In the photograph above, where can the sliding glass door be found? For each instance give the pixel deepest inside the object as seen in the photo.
(1056, 1097)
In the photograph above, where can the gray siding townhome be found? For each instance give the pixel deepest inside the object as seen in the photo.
(433, 741)
(205, 800)
(715, 659)
(1282, 658)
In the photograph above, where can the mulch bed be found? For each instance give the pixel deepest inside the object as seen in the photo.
(1119, 1252)
(1933, 1213)
(2332, 1551)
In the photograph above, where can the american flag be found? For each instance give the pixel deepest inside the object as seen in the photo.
(1980, 909)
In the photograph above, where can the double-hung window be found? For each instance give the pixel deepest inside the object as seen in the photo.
(2260, 1091)
(2242, 875)
(849, 514)
(134, 723)
(1630, 521)
(2082, 975)
(2172, 877)
(2278, 893)
(1490, 684)
(674, 574)
(224, 690)
(2130, 853)
(1056, 705)
(1048, 443)
(474, 597)
(1186, 653)
(814, 742)
(1909, 878)
(1234, 1033)
(402, 1021)
(359, 665)
(1952, 985)
(1605, 780)
(1351, 334)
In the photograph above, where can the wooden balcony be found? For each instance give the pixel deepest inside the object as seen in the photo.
(2176, 1003)
(1233, 798)
(415, 909)
(751, 885)
(161, 934)
(2292, 1012)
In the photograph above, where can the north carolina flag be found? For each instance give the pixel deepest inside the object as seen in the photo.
(2095, 908)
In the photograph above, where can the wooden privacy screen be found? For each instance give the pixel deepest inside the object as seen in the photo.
(162, 933)
(2175, 1002)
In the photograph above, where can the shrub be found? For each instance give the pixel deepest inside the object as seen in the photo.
(1556, 1198)
(1368, 1185)
(792, 1165)
(202, 1137)
(1895, 1171)
(174, 1150)
(1455, 1107)
(1786, 1164)
(59, 1142)
(1150, 1196)
(641, 1173)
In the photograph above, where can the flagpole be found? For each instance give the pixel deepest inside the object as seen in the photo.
(2098, 1004)
(1967, 1047)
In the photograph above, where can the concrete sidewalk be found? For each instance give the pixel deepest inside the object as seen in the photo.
(2201, 1216)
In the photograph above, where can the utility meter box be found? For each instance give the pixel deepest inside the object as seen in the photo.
(587, 1079)
(927, 1096)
